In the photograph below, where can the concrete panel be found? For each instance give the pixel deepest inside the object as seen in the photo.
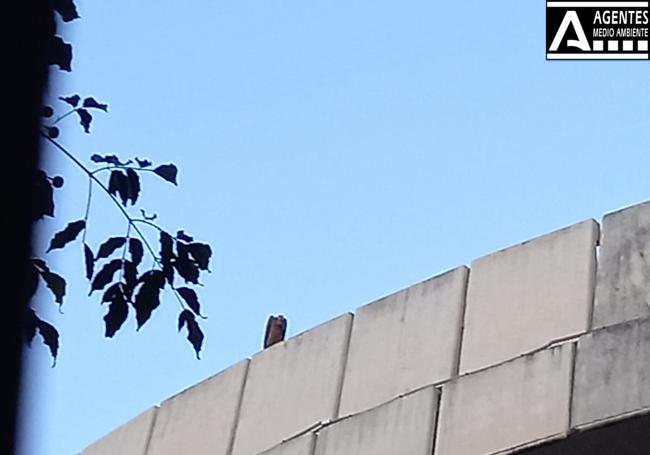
(626, 437)
(201, 419)
(300, 445)
(612, 376)
(291, 386)
(511, 405)
(129, 439)
(402, 426)
(521, 298)
(623, 284)
(405, 341)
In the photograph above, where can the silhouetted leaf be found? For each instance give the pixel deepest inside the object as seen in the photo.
(194, 333)
(118, 184)
(110, 159)
(134, 185)
(66, 8)
(148, 297)
(130, 276)
(201, 252)
(72, 100)
(181, 235)
(67, 235)
(84, 119)
(184, 264)
(56, 284)
(50, 337)
(109, 293)
(105, 275)
(30, 323)
(60, 53)
(191, 299)
(31, 281)
(168, 271)
(166, 246)
(168, 172)
(143, 162)
(92, 103)
(109, 246)
(40, 265)
(53, 281)
(43, 201)
(167, 255)
(187, 269)
(136, 250)
(118, 311)
(90, 262)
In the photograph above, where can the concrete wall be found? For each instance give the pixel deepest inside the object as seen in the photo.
(201, 418)
(393, 340)
(622, 291)
(299, 445)
(612, 373)
(507, 406)
(403, 425)
(541, 343)
(132, 438)
(516, 296)
(292, 386)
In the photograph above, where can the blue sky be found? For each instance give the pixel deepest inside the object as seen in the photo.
(331, 153)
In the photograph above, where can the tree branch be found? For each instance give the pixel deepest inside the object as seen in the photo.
(131, 221)
(121, 166)
(103, 187)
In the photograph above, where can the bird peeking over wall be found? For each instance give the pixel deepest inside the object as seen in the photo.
(276, 328)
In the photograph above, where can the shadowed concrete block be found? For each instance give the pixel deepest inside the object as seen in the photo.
(129, 439)
(521, 298)
(201, 419)
(402, 426)
(300, 445)
(404, 341)
(291, 386)
(612, 376)
(623, 284)
(514, 404)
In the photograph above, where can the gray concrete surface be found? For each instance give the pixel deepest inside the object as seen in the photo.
(507, 406)
(129, 439)
(402, 426)
(291, 386)
(201, 419)
(612, 375)
(521, 298)
(300, 445)
(625, 437)
(623, 284)
(404, 341)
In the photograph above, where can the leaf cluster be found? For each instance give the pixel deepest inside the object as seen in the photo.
(115, 268)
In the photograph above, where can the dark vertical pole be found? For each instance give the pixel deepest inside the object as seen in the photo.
(27, 27)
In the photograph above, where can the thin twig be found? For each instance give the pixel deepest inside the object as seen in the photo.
(126, 245)
(143, 221)
(103, 187)
(61, 117)
(121, 166)
(90, 194)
